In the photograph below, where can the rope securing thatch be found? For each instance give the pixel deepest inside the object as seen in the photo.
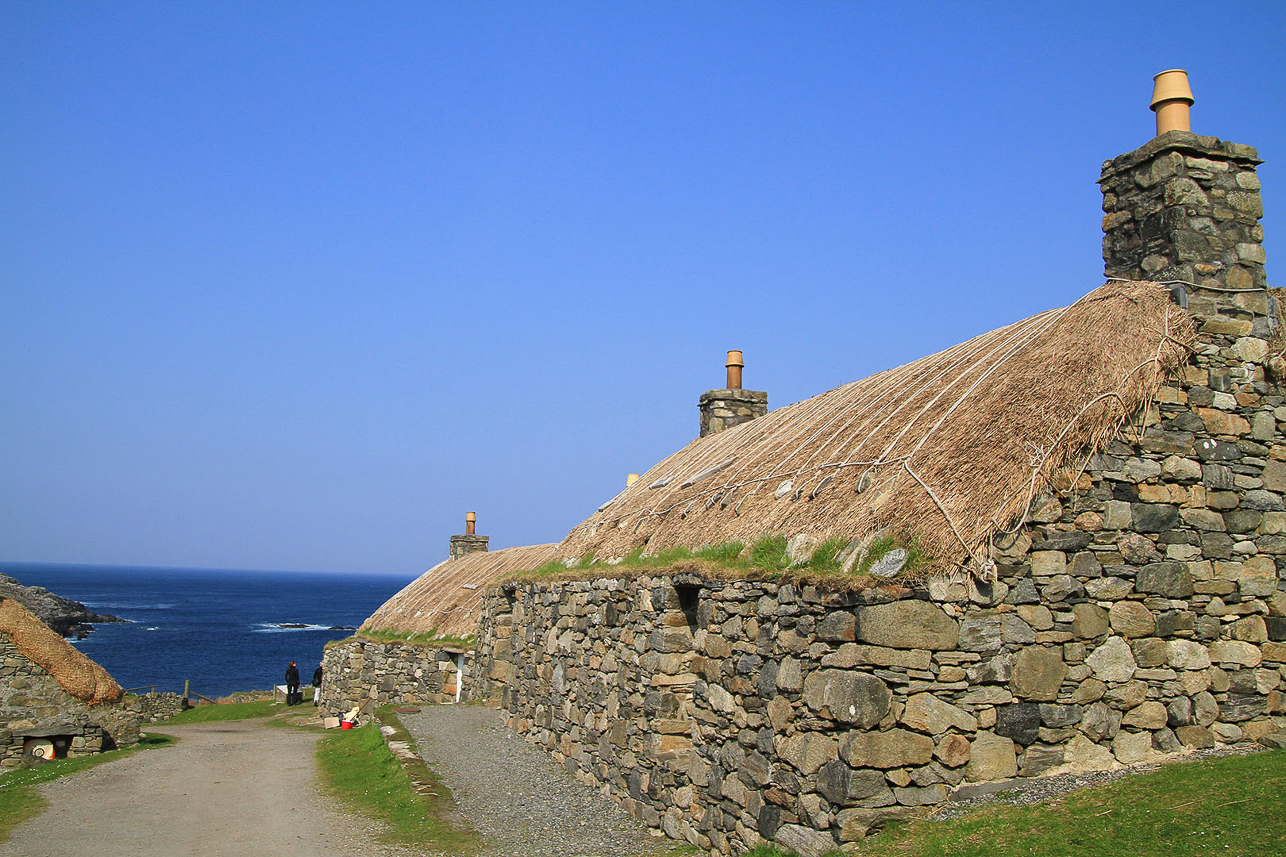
(445, 599)
(950, 448)
(74, 672)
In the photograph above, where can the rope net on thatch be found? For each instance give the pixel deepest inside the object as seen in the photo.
(949, 449)
(74, 672)
(445, 600)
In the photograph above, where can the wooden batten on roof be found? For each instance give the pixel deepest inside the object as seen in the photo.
(445, 599)
(950, 448)
(74, 672)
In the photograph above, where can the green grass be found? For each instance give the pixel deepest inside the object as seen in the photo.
(728, 553)
(825, 557)
(916, 559)
(875, 552)
(413, 805)
(768, 553)
(1228, 806)
(429, 639)
(19, 799)
(673, 849)
(765, 558)
(226, 711)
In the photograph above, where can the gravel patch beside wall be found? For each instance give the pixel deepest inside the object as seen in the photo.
(513, 794)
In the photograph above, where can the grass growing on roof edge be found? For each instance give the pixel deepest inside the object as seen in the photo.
(409, 799)
(19, 799)
(428, 639)
(765, 559)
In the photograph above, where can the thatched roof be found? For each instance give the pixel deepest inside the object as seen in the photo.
(950, 448)
(444, 601)
(77, 674)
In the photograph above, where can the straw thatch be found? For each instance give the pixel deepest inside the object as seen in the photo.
(445, 600)
(949, 449)
(77, 674)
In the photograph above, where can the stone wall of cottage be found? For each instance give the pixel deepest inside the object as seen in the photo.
(723, 712)
(34, 705)
(362, 672)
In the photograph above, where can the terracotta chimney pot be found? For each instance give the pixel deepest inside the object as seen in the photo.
(1171, 98)
(734, 365)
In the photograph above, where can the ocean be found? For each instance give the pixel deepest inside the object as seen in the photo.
(222, 630)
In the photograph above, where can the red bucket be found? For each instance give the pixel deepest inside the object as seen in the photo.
(345, 724)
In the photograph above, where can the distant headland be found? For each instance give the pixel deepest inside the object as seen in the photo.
(65, 616)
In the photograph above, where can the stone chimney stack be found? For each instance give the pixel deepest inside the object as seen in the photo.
(1185, 209)
(731, 406)
(468, 542)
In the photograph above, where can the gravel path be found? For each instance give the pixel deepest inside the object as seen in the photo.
(224, 790)
(513, 794)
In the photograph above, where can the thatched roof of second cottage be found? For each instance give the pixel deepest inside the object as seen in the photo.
(445, 600)
(950, 448)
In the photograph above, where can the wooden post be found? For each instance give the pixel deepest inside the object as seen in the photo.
(187, 688)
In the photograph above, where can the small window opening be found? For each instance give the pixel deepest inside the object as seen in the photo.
(689, 599)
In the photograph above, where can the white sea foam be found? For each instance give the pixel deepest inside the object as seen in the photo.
(283, 627)
(110, 606)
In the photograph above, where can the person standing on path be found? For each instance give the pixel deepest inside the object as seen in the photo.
(317, 680)
(292, 684)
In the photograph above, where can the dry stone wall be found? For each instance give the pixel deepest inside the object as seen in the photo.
(158, 707)
(1140, 614)
(361, 672)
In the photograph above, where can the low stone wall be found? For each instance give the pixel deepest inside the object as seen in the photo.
(360, 671)
(723, 712)
(33, 704)
(157, 707)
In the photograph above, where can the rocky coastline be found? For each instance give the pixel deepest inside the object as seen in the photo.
(67, 617)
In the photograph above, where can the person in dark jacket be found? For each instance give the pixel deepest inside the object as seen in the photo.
(292, 684)
(317, 680)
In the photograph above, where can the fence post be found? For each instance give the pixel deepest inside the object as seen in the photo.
(187, 687)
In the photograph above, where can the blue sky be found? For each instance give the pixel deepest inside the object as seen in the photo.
(295, 286)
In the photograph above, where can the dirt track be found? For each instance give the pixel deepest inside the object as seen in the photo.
(230, 789)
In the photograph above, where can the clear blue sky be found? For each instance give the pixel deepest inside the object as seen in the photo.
(295, 286)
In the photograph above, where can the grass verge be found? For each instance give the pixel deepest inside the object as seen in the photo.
(409, 799)
(19, 799)
(1228, 806)
(226, 711)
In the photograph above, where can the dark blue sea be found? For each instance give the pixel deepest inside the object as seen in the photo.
(222, 630)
